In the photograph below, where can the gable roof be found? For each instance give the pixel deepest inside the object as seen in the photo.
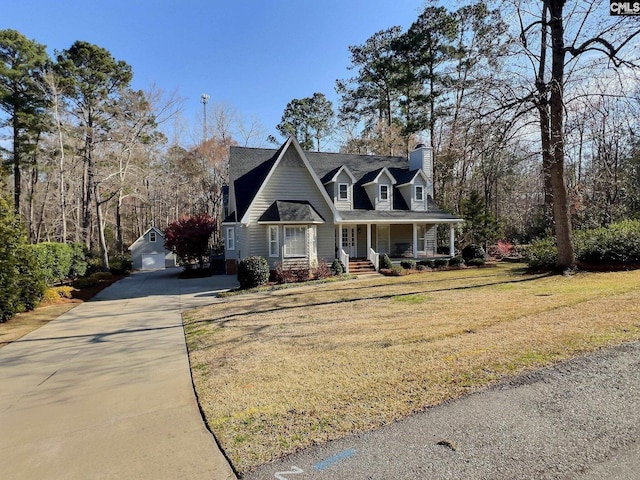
(373, 177)
(140, 239)
(332, 176)
(270, 167)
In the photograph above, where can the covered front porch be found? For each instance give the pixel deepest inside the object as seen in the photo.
(398, 240)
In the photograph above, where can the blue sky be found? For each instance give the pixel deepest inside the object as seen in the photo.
(254, 55)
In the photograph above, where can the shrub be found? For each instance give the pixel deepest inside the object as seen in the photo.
(476, 262)
(408, 264)
(385, 262)
(78, 260)
(396, 270)
(430, 263)
(422, 268)
(322, 270)
(120, 264)
(440, 262)
(336, 267)
(502, 249)
(253, 272)
(31, 286)
(64, 292)
(542, 254)
(456, 261)
(21, 285)
(54, 259)
(282, 275)
(50, 296)
(620, 243)
(473, 251)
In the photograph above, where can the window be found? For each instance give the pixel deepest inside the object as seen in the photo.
(295, 241)
(343, 191)
(230, 238)
(419, 193)
(274, 241)
(152, 236)
(384, 192)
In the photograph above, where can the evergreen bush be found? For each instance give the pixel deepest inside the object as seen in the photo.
(21, 285)
(385, 262)
(456, 261)
(253, 272)
(476, 262)
(440, 262)
(336, 267)
(408, 264)
(473, 251)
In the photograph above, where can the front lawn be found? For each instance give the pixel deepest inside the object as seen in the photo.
(279, 371)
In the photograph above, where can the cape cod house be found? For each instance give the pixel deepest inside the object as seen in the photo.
(294, 207)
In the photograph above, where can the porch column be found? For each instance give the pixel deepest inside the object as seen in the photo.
(368, 239)
(452, 239)
(415, 241)
(339, 238)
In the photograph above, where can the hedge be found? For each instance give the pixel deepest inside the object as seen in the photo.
(21, 285)
(618, 244)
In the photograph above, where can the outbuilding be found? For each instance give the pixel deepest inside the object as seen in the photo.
(148, 251)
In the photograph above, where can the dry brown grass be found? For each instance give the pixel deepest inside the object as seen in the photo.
(23, 323)
(280, 371)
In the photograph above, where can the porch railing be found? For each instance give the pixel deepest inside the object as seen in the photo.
(374, 258)
(344, 258)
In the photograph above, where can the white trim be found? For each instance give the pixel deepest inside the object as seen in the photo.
(387, 187)
(270, 242)
(413, 179)
(284, 241)
(245, 220)
(375, 180)
(341, 169)
(347, 192)
(230, 238)
(141, 238)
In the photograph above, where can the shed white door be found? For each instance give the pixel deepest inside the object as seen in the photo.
(151, 261)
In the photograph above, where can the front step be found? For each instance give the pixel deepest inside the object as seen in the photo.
(359, 267)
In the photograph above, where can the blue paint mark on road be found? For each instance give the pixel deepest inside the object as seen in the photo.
(335, 459)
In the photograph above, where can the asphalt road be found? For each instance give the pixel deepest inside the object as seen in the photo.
(577, 420)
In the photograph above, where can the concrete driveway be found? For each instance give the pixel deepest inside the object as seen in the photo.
(105, 390)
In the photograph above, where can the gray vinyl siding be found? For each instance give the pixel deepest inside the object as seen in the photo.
(144, 245)
(343, 204)
(230, 254)
(290, 181)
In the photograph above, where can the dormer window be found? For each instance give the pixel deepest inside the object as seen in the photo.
(152, 236)
(419, 193)
(384, 193)
(343, 191)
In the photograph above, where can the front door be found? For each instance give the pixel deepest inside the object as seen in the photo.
(349, 240)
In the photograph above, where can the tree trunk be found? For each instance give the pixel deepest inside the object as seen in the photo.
(17, 180)
(104, 253)
(561, 215)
